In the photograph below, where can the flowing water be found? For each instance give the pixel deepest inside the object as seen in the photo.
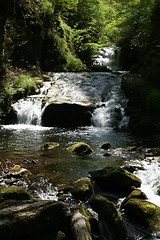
(20, 143)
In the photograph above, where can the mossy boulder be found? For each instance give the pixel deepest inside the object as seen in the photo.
(107, 212)
(137, 193)
(14, 193)
(115, 180)
(48, 146)
(31, 220)
(80, 148)
(17, 171)
(82, 188)
(105, 145)
(143, 212)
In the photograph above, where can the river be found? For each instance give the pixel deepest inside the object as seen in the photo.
(20, 143)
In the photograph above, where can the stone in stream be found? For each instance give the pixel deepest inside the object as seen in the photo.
(108, 213)
(144, 213)
(105, 145)
(137, 193)
(34, 220)
(82, 189)
(66, 108)
(16, 172)
(64, 114)
(80, 148)
(14, 193)
(48, 146)
(115, 180)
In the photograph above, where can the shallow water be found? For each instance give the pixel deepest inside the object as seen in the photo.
(20, 144)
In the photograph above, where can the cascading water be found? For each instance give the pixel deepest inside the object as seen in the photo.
(29, 109)
(104, 89)
(108, 57)
(110, 111)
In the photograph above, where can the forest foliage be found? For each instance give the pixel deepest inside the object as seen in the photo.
(62, 34)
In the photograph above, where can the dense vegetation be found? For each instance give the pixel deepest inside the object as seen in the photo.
(61, 35)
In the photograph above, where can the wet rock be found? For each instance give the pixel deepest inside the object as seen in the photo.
(107, 154)
(49, 146)
(144, 213)
(115, 180)
(100, 68)
(80, 225)
(63, 114)
(46, 77)
(16, 172)
(131, 148)
(131, 168)
(31, 220)
(67, 105)
(14, 193)
(61, 236)
(108, 213)
(105, 145)
(80, 148)
(135, 194)
(82, 188)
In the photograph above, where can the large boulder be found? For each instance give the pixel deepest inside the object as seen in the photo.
(82, 188)
(115, 180)
(14, 193)
(108, 213)
(31, 220)
(62, 114)
(144, 213)
(67, 105)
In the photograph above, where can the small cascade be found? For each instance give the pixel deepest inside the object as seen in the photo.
(111, 112)
(150, 179)
(108, 57)
(29, 109)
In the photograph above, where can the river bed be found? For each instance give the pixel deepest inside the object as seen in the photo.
(20, 143)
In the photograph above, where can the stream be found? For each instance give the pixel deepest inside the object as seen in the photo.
(20, 143)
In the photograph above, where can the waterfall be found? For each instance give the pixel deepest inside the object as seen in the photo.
(101, 88)
(111, 111)
(108, 57)
(29, 109)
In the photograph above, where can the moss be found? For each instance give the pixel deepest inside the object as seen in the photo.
(107, 212)
(86, 215)
(116, 180)
(22, 86)
(134, 194)
(82, 188)
(15, 193)
(143, 212)
(49, 146)
(61, 236)
(80, 148)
